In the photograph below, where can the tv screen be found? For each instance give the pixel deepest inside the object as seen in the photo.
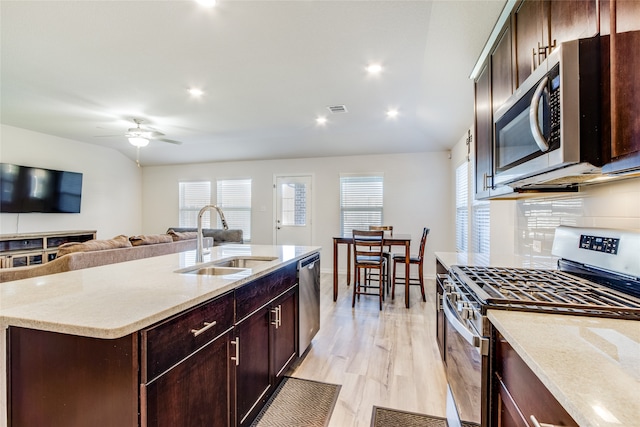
(28, 189)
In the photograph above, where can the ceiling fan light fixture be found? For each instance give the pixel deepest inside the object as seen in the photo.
(138, 141)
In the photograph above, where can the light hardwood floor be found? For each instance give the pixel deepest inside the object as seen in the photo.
(386, 358)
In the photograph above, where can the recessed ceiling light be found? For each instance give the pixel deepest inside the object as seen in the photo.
(392, 113)
(374, 68)
(206, 3)
(196, 92)
(321, 120)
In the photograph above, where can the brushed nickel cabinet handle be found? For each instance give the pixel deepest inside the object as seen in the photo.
(275, 311)
(207, 326)
(535, 422)
(236, 342)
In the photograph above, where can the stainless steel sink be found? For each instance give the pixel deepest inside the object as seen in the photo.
(227, 266)
(215, 271)
(243, 262)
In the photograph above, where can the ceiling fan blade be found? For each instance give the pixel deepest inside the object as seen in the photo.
(170, 141)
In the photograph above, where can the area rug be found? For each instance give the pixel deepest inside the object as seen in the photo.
(385, 417)
(298, 402)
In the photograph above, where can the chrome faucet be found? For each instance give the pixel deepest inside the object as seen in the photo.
(199, 250)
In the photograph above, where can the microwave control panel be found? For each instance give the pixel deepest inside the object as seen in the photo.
(608, 245)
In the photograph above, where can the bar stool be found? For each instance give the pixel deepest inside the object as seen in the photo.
(367, 255)
(413, 259)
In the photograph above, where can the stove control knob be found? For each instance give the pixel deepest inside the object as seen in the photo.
(467, 311)
(454, 296)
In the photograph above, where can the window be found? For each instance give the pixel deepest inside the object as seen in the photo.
(480, 240)
(462, 211)
(360, 202)
(234, 198)
(193, 196)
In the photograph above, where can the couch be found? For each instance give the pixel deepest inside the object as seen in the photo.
(220, 237)
(94, 253)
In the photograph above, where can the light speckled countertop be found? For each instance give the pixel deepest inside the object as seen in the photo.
(590, 365)
(114, 300)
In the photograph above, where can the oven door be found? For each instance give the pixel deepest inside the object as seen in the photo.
(467, 365)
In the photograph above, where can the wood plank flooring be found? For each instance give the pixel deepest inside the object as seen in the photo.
(386, 358)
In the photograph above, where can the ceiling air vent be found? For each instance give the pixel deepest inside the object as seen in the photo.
(335, 109)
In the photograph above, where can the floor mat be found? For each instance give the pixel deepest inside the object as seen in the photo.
(385, 417)
(298, 402)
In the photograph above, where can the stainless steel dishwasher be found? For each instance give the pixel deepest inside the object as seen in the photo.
(309, 291)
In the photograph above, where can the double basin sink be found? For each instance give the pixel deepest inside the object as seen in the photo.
(227, 266)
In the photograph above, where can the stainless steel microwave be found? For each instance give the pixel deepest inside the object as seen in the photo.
(548, 133)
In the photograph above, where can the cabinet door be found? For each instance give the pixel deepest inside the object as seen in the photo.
(284, 332)
(484, 125)
(501, 70)
(530, 23)
(572, 20)
(625, 82)
(194, 393)
(253, 379)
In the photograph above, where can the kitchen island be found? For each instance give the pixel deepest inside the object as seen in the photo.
(590, 365)
(122, 302)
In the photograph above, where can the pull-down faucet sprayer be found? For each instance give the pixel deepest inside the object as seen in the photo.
(199, 250)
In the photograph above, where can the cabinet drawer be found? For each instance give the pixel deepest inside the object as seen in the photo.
(526, 392)
(165, 344)
(257, 293)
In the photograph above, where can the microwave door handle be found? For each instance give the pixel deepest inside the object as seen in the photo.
(538, 137)
(472, 339)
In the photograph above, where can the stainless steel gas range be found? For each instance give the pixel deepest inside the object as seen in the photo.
(598, 274)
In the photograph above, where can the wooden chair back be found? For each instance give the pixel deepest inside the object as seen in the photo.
(367, 247)
(388, 228)
(423, 243)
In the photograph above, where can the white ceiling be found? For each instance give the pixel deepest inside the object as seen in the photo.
(84, 69)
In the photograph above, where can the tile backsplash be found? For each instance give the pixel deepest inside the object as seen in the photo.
(614, 205)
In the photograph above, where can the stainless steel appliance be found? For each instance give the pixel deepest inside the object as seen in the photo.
(598, 275)
(309, 291)
(548, 132)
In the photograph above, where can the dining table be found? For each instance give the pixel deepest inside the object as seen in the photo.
(388, 240)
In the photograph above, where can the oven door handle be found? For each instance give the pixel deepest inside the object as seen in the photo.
(475, 340)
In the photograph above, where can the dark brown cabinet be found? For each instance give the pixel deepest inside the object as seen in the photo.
(620, 23)
(541, 25)
(213, 364)
(483, 133)
(187, 369)
(284, 332)
(265, 337)
(520, 396)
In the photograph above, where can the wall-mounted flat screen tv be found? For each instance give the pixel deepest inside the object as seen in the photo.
(29, 189)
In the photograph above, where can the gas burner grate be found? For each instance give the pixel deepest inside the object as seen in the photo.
(548, 290)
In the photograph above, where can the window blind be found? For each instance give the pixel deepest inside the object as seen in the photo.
(361, 199)
(480, 240)
(462, 210)
(234, 198)
(192, 197)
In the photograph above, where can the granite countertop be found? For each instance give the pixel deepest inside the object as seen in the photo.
(448, 259)
(590, 365)
(114, 300)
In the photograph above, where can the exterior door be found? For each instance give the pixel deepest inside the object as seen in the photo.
(293, 210)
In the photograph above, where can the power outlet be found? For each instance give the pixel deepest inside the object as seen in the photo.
(537, 246)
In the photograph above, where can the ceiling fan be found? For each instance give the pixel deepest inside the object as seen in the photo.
(139, 136)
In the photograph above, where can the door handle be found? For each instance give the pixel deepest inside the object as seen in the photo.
(538, 137)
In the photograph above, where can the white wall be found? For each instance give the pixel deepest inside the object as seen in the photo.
(111, 184)
(417, 192)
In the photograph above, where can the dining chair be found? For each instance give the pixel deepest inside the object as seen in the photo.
(413, 259)
(386, 253)
(367, 255)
